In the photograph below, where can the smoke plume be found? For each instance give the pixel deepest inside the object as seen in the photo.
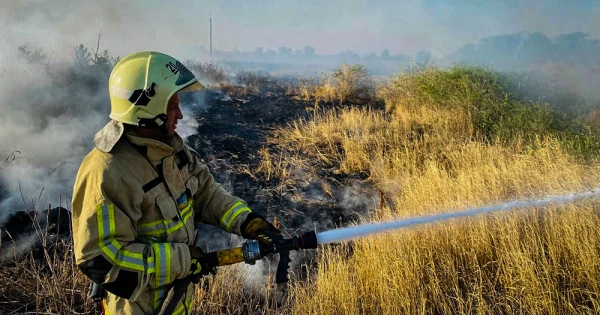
(54, 92)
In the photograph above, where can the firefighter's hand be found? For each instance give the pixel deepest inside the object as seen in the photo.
(200, 266)
(257, 228)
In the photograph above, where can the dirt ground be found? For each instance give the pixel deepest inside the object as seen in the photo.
(232, 130)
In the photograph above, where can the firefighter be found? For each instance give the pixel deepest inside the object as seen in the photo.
(139, 191)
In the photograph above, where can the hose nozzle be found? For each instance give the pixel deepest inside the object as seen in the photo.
(305, 241)
(252, 252)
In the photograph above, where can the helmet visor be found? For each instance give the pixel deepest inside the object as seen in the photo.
(193, 87)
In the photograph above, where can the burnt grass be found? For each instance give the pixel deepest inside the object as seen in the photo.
(230, 134)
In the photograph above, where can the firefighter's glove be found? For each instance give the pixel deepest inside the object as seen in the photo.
(257, 228)
(199, 266)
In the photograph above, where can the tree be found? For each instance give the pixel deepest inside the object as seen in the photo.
(284, 51)
(32, 56)
(371, 56)
(309, 51)
(385, 54)
(81, 56)
(422, 58)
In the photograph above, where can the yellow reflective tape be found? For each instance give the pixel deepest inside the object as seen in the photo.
(167, 226)
(166, 222)
(168, 259)
(245, 209)
(113, 249)
(157, 265)
(159, 296)
(235, 215)
(189, 303)
(184, 219)
(152, 233)
(228, 213)
(100, 225)
(151, 224)
(186, 215)
(105, 307)
(156, 299)
(111, 218)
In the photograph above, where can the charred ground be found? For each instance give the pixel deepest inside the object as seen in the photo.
(231, 133)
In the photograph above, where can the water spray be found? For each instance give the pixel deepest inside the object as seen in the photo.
(350, 233)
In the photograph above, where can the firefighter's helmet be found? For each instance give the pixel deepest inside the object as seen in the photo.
(141, 85)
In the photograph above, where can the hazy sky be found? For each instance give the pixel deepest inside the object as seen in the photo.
(328, 26)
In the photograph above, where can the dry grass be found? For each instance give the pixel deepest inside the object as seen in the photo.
(536, 262)
(255, 82)
(429, 160)
(426, 159)
(349, 84)
(241, 290)
(53, 286)
(210, 73)
(46, 281)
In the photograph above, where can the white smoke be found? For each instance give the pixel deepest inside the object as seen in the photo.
(51, 124)
(50, 111)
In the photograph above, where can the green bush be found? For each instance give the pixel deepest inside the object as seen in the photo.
(498, 105)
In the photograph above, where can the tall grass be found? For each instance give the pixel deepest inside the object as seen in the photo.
(430, 158)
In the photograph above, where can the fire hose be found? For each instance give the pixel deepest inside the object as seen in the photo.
(250, 252)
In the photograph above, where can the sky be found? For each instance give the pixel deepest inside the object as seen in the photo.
(177, 26)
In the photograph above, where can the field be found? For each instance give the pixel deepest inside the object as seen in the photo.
(421, 143)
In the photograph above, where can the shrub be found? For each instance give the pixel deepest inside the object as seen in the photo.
(353, 84)
(349, 84)
(254, 81)
(210, 73)
(494, 109)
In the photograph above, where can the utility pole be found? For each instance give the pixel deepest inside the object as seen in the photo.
(210, 22)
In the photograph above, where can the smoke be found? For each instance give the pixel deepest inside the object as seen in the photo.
(358, 198)
(52, 110)
(53, 103)
(191, 105)
(58, 25)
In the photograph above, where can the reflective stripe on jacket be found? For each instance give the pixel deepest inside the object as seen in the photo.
(135, 207)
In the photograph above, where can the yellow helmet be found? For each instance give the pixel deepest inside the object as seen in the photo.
(141, 85)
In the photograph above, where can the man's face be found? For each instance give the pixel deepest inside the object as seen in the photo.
(173, 114)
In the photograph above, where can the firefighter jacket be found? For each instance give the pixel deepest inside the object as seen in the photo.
(133, 218)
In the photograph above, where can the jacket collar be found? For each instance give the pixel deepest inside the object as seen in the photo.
(157, 150)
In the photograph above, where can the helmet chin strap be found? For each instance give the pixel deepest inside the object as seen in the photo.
(157, 123)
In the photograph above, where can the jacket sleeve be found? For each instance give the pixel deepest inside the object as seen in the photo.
(105, 211)
(213, 203)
